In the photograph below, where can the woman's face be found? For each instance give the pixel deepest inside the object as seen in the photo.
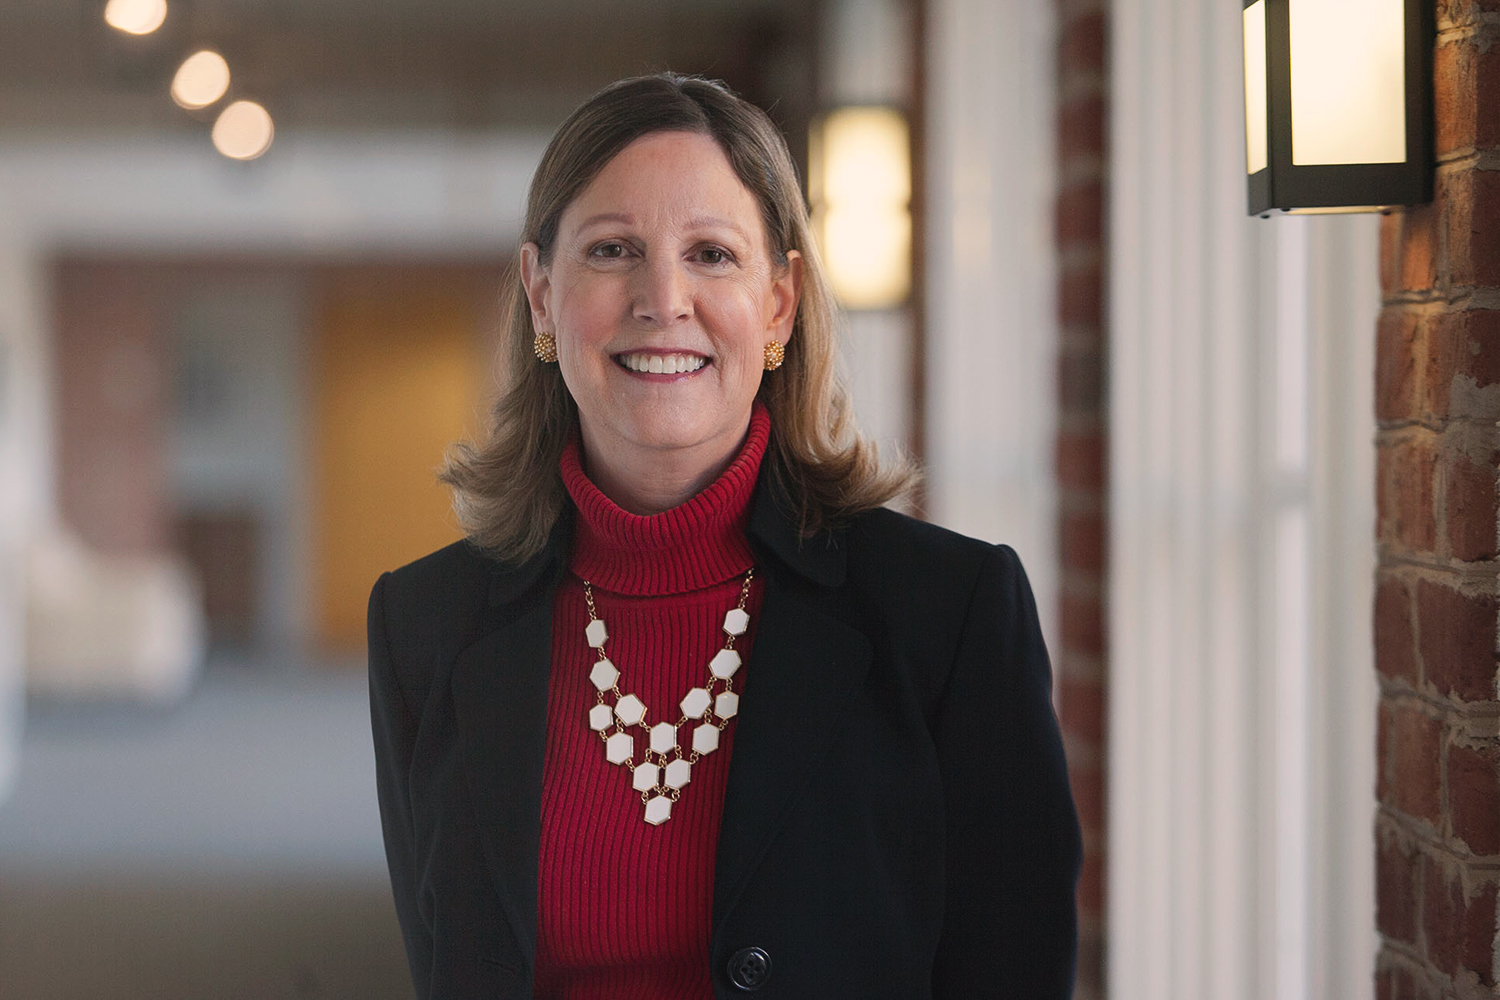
(662, 294)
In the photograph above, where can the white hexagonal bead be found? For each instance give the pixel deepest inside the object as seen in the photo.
(706, 738)
(696, 703)
(604, 675)
(736, 621)
(724, 664)
(727, 705)
(596, 633)
(663, 737)
(658, 810)
(619, 748)
(645, 777)
(679, 773)
(630, 709)
(600, 717)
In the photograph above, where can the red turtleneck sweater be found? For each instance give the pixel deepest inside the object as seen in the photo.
(625, 907)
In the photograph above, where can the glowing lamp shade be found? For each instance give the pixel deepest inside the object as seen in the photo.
(859, 183)
(201, 80)
(1338, 104)
(243, 131)
(135, 17)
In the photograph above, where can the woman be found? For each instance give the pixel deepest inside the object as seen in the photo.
(691, 714)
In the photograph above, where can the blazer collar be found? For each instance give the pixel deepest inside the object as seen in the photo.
(820, 558)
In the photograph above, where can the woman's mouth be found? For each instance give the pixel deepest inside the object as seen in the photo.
(648, 363)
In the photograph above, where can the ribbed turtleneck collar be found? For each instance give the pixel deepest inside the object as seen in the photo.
(694, 545)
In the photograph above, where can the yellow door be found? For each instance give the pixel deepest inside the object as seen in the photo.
(397, 377)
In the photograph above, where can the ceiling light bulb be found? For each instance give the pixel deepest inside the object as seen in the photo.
(136, 17)
(243, 131)
(202, 79)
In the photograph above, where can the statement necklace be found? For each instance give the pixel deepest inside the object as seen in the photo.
(667, 765)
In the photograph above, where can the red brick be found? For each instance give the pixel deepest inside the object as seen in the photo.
(1091, 963)
(1411, 753)
(1080, 213)
(1080, 461)
(1082, 624)
(1400, 983)
(1083, 542)
(1474, 797)
(1460, 931)
(1089, 796)
(1404, 495)
(1398, 343)
(1080, 128)
(1395, 643)
(1456, 637)
(1080, 382)
(1416, 249)
(1080, 296)
(1453, 95)
(1081, 47)
(1487, 92)
(1452, 13)
(1091, 885)
(1464, 351)
(1396, 892)
(1473, 515)
(1082, 709)
(1390, 251)
(1471, 218)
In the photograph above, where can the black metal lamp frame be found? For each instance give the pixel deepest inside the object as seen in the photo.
(1291, 187)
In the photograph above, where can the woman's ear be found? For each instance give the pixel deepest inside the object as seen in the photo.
(537, 282)
(786, 292)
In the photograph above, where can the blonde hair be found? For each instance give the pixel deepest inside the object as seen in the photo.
(508, 492)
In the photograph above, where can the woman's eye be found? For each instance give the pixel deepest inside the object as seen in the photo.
(610, 250)
(712, 255)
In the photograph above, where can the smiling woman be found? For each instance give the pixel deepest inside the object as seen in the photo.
(690, 712)
(662, 294)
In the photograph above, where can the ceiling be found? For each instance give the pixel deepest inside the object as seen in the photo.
(357, 65)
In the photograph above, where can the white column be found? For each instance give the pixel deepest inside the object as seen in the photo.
(25, 471)
(1241, 568)
(991, 328)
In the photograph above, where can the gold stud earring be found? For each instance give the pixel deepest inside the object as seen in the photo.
(545, 346)
(775, 355)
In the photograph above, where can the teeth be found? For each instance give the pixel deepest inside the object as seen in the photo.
(662, 364)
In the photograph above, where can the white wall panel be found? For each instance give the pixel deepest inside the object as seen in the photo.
(1242, 515)
(991, 327)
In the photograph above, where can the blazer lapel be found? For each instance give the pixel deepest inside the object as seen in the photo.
(500, 703)
(804, 665)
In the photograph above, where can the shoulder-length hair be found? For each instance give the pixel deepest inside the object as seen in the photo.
(508, 491)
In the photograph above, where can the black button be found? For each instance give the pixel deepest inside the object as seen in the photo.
(749, 968)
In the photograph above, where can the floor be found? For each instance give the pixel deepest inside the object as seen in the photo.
(228, 847)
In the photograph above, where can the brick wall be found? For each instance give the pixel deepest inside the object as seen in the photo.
(1082, 446)
(1437, 404)
(113, 404)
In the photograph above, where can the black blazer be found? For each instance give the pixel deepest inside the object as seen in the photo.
(897, 821)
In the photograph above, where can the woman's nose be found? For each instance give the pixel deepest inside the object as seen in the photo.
(662, 293)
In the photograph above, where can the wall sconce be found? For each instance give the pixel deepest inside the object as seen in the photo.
(1338, 104)
(859, 184)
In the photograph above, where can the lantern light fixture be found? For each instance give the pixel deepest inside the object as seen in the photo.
(243, 131)
(201, 80)
(859, 185)
(1338, 104)
(135, 17)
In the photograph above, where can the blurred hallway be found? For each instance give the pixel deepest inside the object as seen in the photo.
(228, 847)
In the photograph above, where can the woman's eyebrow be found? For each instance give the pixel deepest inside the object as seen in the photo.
(714, 222)
(620, 217)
